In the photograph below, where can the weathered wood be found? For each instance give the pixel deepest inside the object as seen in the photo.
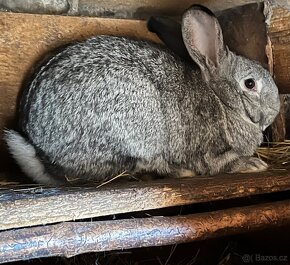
(70, 239)
(145, 8)
(244, 31)
(114, 8)
(278, 31)
(278, 52)
(279, 125)
(35, 206)
(36, 6)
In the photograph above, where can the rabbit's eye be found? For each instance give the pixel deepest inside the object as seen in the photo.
(250, 83)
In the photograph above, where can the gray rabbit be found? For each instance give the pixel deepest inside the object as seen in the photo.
(110, 104)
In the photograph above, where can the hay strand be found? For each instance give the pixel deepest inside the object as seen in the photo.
(276, 153)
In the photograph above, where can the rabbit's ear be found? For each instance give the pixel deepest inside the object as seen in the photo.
(203, 38)
(169, 31)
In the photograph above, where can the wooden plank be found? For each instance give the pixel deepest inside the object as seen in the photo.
(74, 238)
(244, 31)
(26, 38)
(279, 126)
(35, 206)
(115, 8)
(279, 37)
(145, 8)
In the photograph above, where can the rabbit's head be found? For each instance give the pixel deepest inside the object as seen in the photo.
(241, 84)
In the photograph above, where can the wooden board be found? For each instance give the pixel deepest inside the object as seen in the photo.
(279, 37)
(74, 238)
(26, 38)
(145, 8)
(115, 8)
(36, 206)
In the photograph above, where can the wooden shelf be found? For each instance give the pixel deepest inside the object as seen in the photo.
(45, 205)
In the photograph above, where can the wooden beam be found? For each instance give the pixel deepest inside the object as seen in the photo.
(278, 31)
(35, 206)
(279, 126)
(278, 52)
(244, 31)
(115, 8)
(74, 238)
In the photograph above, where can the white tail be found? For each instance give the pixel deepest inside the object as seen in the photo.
(25, 155)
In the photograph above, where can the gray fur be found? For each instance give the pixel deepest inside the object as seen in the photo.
(110, 104)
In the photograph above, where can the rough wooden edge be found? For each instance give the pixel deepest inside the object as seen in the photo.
(73, 238)
(20, 208)
(277, 14)
(278, 127)
(244, 31)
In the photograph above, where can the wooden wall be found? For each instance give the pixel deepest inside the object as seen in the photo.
(144, 8)
(115, 8)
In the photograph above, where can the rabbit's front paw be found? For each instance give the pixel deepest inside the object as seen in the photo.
(182, 173)
(248, 165)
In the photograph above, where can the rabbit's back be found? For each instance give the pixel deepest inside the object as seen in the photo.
(99, 101)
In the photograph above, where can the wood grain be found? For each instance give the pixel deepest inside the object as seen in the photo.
(35, 206)
(279, 35)
(145, 8)
(244, 31)
(279, 126)
(25, 38)
(73, 238)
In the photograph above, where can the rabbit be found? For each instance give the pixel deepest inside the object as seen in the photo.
(110, 104)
